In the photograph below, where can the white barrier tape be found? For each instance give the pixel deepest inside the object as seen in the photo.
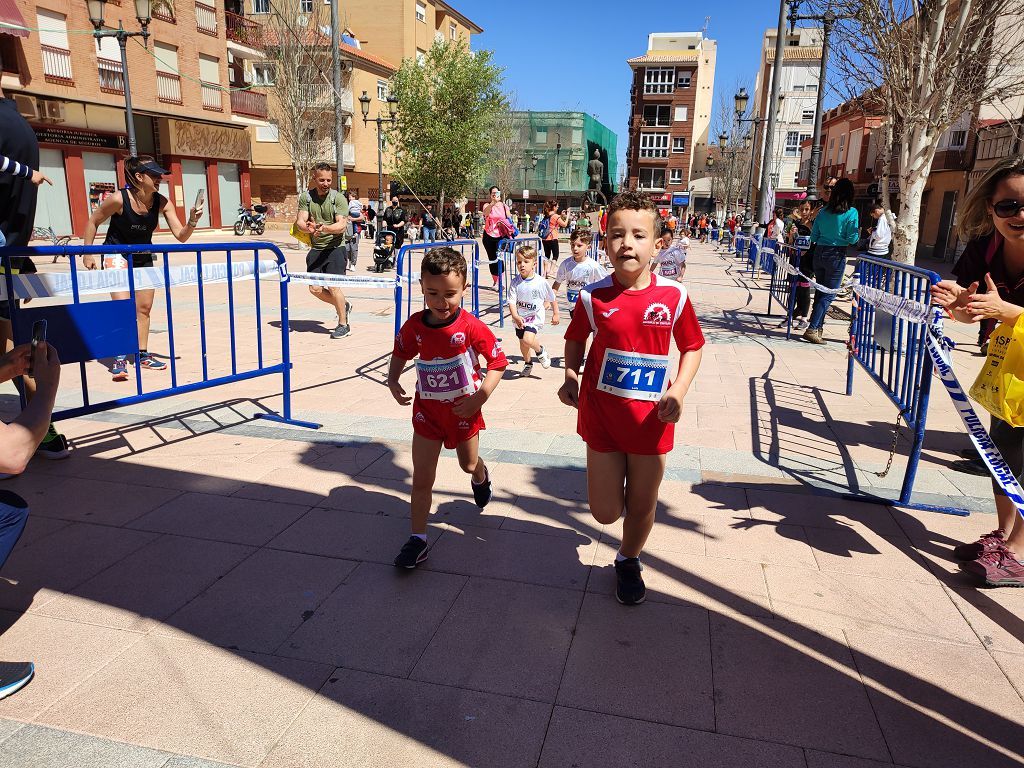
(43, 285)
(789, 269)
(997, 466)
(897, 306)
(349, 281)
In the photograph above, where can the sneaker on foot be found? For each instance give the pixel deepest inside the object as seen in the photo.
(414, 552)
(998, 567)
(340, 331)
(146, 360)
(629, 584)
(54, 445)
(813, 335)
(15, 675)
(527, 369)
(348, 312)
(976, 549)
(119, 370)
(482, 491)
(544, 357)
(800, 324)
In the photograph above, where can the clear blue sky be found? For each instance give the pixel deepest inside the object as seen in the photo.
(573, 55)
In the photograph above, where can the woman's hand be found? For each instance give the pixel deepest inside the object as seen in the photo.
(195, 215)
(989, 305)
(38, 178)
(949, 295)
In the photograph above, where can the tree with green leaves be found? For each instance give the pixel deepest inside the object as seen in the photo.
(449, 105)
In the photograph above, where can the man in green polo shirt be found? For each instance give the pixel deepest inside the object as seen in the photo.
(323, 213)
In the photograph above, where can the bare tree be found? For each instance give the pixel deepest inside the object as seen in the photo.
(731, 168)
(300, 104)
(507, 156)
(929, 62)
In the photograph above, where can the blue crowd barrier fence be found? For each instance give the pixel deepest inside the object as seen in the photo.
(784, 283)
(892, 351)
(405, 278)
(83, 330)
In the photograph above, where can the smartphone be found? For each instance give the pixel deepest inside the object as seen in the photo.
(200, 198)
(38, 337)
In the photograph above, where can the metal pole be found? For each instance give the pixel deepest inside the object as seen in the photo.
(812, 174)
(129, 117)
(748, 213)
(773, 101)
(380, 170)
(339, 124)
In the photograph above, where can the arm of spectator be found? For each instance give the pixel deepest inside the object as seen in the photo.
(181, 233)
(339, 226)
(20, 439)
(106, 209)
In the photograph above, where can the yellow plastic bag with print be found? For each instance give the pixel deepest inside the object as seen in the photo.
(301, 235)
(999, 388)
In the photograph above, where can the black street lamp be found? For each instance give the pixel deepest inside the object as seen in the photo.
(364, 107)
(526, 178)
(144, 15)
(742, 99)
(558, 152)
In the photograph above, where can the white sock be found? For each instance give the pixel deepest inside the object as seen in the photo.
(619, 557)
(420, 536)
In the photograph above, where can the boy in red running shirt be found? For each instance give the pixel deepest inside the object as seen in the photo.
(450, 387)
(627, 405)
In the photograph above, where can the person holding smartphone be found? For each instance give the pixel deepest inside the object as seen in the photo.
(134, 215)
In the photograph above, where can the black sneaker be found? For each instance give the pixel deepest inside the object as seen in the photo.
(340, 332)
(414, 552)
(482, 492)
(15, 675)
(629, 584)
(527, 370)
(54, 445)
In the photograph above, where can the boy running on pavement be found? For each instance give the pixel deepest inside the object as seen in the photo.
(671, 260)
(530, 295)
(627, 405)
(446, 343)
(579, 271)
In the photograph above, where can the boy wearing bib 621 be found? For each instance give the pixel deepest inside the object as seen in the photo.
(628, 405)
(447, 344)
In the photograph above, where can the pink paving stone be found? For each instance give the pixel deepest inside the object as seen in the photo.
(758, 541)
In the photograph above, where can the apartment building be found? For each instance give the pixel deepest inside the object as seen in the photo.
(798, 88)
(671, 101)
(70, 87)
(852, 147)
(403, 29)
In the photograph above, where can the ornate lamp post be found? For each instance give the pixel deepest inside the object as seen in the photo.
(144, 16)
(526, 178)
(364, 107)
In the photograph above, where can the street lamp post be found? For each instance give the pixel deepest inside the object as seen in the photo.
(143, 14)
(710, 163)
(364, 107)
(526, 179)
(742, 99)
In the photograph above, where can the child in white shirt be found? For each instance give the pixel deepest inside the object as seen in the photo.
(672, 259)
(531, 294)
(579, 271)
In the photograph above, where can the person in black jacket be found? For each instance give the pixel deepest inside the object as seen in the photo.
(395, 220)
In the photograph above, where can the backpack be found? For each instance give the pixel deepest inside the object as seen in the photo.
(544, 229)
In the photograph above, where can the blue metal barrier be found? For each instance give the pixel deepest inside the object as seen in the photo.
(783, 285)
(84, 331)
(404, 282)
(892, 351)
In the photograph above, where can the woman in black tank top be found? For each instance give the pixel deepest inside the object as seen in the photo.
(134, 215)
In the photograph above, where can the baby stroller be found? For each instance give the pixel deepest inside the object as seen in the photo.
(384, 251)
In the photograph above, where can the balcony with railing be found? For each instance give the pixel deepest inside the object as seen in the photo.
(212, 99)
(111, 76)
(244, 31)
(164, 12)
(57, 65)
(251, 103)
(168, 88)
(206, 19)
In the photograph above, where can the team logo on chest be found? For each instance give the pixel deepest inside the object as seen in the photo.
(458, 339)
(658, 315)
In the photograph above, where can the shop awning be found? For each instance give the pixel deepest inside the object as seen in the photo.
(11, 22)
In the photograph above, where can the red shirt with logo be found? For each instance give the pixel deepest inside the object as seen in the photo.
(644, 322)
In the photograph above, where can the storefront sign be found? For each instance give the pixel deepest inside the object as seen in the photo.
(78, 138)
(680, 199)
(208, 141)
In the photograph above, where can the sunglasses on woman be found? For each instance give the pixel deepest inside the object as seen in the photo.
(1007, 209)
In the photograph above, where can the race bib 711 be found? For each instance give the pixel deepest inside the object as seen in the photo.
(633, 375)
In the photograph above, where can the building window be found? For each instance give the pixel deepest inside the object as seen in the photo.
(679, 144)
(681, 114)
(306, 6)
(263, 74)
(657, 115)
(653, 145)
(684, 80)
(261, 6)
(541, 136)
(421, 56)
(807, 116)
(577, 136)
(267, 133)
(957, 139)
(421, 12)
(652, 178)
(798, 88)
(792, 144)
(659, 79)
(805, 137)
(675, 176)
(453, 32)
(382, 90)
(55, 48)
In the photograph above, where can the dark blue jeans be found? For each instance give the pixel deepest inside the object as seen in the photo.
(429, 234)
(829, 265)
(13, 514)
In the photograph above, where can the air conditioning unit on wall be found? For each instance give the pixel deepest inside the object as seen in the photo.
(26, 106)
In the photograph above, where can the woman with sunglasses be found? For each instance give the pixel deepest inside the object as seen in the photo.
(989, 286)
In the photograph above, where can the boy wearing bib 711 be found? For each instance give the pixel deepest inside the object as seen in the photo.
(627, 405)
(447, 344)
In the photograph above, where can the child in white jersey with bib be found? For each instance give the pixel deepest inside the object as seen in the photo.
(671, 260)
(579, 271)
(530, 295)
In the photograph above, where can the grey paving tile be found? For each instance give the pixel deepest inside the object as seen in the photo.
(510, 638)
(594, 740)
(179, 761)
(9, 727)
(35, 747)
(816, 759)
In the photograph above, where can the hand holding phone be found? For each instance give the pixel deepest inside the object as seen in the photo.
(38, 337)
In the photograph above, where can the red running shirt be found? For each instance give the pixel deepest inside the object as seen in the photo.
(643, 321)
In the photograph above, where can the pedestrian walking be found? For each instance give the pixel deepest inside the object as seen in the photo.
(356, 223)
(496, 228)
(835, 229)
(880, 239)
(395, 220)
(429, 224)
(548, 233)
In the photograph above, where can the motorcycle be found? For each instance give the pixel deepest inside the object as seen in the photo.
(254, 219)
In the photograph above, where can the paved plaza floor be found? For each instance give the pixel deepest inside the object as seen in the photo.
(198, 587)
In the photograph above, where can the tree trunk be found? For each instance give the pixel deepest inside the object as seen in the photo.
(916, 156)
(885, 160)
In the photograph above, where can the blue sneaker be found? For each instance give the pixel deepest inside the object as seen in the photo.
(15, 675)
(119, 370)
(146, 360)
